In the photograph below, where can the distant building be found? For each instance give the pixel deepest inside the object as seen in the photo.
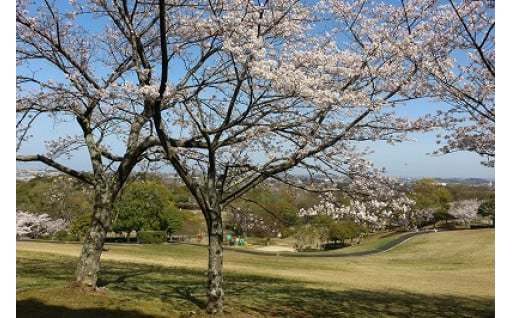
(28, 174)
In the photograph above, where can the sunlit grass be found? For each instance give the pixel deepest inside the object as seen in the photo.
(445, 274)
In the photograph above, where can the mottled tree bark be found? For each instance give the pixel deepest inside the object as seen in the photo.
(215, 289)
(86, 275)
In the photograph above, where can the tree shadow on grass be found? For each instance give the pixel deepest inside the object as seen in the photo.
(262, 296)
(180, 291)
(177, 287)
(55, 272)
(35, 308)
(271, 297)
(295, 301)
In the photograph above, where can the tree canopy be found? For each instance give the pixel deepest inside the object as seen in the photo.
(147, 205)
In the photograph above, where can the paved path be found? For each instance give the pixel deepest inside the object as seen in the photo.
(381, 249)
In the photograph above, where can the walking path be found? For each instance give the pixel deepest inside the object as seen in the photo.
(387, 247)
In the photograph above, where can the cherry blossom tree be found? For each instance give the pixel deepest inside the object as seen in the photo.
(466, 82)
(376, 204)
(414, 218)
(251, 90)
(34, 226)
(465, 210)
(84, 67)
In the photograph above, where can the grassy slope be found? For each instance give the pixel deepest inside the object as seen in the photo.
(445, 274)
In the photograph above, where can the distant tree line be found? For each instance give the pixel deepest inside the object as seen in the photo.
(149, 203)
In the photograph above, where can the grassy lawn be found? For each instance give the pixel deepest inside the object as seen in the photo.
(370, 242)
(444, 274)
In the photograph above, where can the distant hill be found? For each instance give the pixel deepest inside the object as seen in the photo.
(470, 181)
(32, 173)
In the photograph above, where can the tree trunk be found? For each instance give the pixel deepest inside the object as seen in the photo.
(215, 289)
(86, 275)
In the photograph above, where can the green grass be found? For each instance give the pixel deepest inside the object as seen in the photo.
(445, 274)
(369, 242)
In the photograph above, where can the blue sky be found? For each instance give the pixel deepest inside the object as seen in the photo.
(411, 159)
(406, 159)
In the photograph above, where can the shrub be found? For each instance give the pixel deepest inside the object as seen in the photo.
(309, 238)
(151, 237)
(80, 226)
(63, 235)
